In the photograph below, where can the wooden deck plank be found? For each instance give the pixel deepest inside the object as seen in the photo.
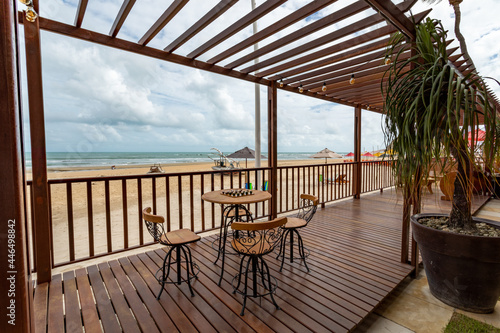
(161, 318)
(90, 317)
(106, 312)
(288, 317)
(56, 313)
(300, 310)
(178, 317)
(122, 310)
(73, 315)
(180, 301)
(144, 319)
(354, 264)
(197, 308)
(262, 320)
(40, 306)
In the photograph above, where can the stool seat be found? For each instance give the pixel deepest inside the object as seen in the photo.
(179, 237)
(294, 222)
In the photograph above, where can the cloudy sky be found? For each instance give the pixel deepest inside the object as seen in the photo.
(102, 99)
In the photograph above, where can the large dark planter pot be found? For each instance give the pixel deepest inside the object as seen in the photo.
(462, 271)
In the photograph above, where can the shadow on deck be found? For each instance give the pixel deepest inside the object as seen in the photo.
(354, 262)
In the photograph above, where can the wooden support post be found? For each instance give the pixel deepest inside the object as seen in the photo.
(272, 123)
(15, 300)
(357, 153)
(39, 188)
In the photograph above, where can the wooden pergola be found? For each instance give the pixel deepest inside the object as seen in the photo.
(321, 66)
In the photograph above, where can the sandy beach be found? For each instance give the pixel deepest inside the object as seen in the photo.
(189, 218)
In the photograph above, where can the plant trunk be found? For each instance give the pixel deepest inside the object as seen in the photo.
(463, 46)
(460, 216)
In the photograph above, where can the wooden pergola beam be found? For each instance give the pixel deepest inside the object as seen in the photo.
(272, 29)
(245, 21)
(120, 18)
(80, 12)
(363, 62)
(166, 17)
(366, 48)
(376, 64)
(301, 33)
(208, 18)
(121, 44)
(358, 40)
(397, 17)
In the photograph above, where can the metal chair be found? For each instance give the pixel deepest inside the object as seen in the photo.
(176, 240)
(253, 242)
(308, 206)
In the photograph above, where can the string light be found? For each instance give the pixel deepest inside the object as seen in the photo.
(368, 108)
(301, 89)
(387, 60)
(31, 14)
(281, 83)
(324, 87)
(352, 80)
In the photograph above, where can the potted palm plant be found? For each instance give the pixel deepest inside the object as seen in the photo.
(430, 109)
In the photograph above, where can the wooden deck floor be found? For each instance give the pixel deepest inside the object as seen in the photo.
(354, 262)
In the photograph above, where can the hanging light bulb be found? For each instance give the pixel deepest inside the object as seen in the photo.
(301, 89)
(324, 87)
(368, 108)
(281, 83)
(26, 2)
(387, 60)
(352, 80)
(31, 15)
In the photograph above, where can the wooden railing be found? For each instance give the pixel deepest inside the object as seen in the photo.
(92, 217)
(376, 175)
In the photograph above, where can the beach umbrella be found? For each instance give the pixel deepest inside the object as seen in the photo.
(245, 153)
(378, 154)
(367, 154)
(350, 155)
(479, 135)
(326, 153)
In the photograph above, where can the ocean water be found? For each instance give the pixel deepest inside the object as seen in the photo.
(98, 159)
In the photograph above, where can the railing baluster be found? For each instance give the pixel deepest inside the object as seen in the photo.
(32, 214)
(202, 203)
(90, 218)
(212, 187)
(179, 185)
(71, 227)
(191, 201)
(167, 203)
(139, 206)
(153, 196)
(281, 190)
(108, 216)
(125, 213)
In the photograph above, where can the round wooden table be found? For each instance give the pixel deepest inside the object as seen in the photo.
(233, 205)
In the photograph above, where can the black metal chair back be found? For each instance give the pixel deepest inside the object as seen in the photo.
(155, 225)
(260, 238)
(308, 206)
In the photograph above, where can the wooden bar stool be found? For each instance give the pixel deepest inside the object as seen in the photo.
(308, 206)
(176, 240)
(253, 242)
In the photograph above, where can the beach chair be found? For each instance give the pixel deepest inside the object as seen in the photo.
(341, 179)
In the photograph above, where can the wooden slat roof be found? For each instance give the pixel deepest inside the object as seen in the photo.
(333, 40)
